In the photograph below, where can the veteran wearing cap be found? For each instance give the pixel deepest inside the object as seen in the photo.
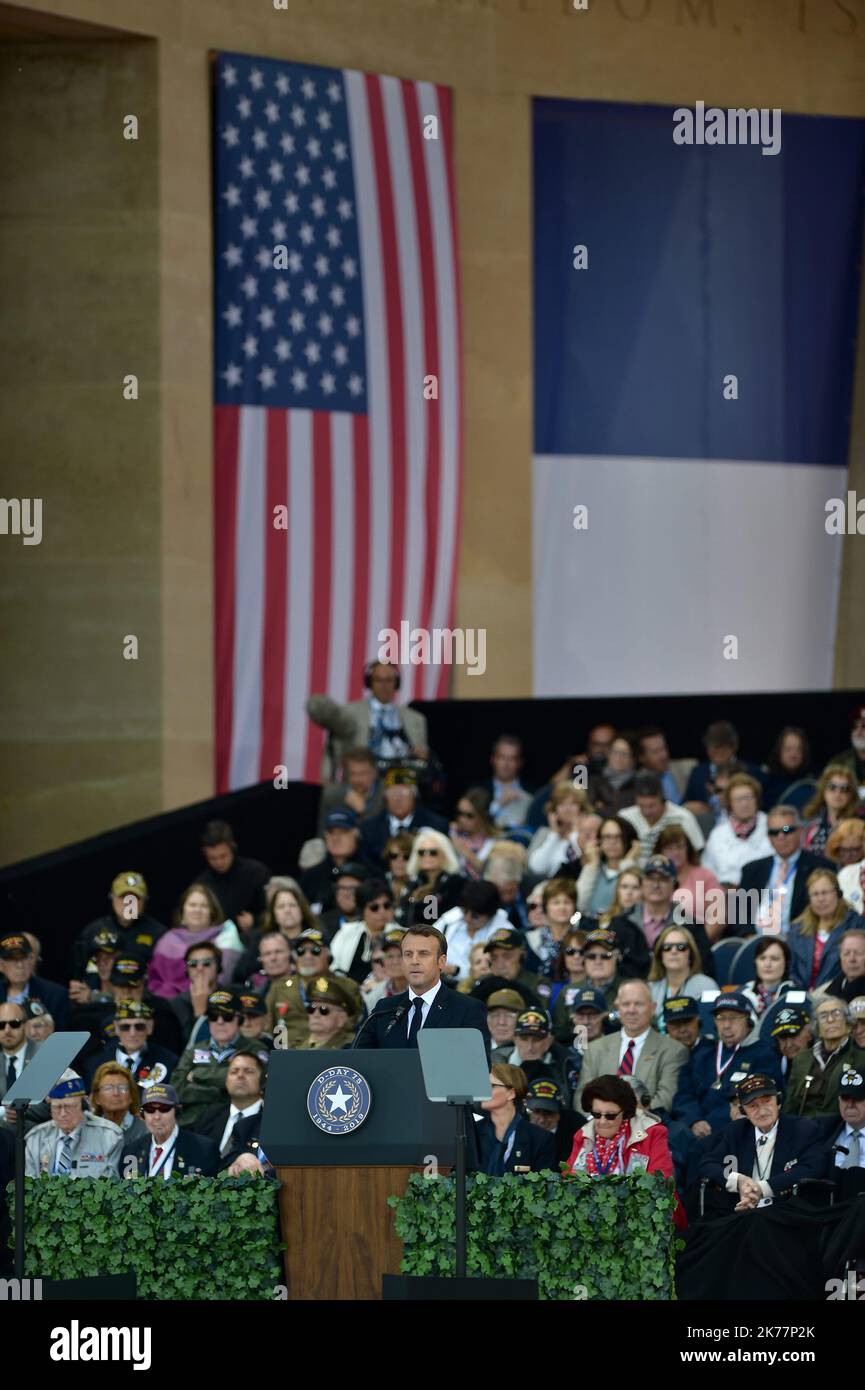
(199, 1077)
(812, 1090)
(287, 999)
(535, 1051)
(19, 983)
(844, 1133)
(503, 1009)
(74, 1143)
(547, 1107)
(682, 1020)
(752, 1161)
(167, 1151)
(132, 1047)
(403, 810)
(331, 1013)
(506, 949)
(254, 1018)
(601, 961)
(702, 1098)
(791, 1033)
(128, 918)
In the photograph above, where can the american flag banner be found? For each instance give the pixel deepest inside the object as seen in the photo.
(337, 477)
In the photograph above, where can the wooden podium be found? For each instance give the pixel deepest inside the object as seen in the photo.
(339, 1232)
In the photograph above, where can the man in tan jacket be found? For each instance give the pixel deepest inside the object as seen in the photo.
(287, 998)
(638, 1050)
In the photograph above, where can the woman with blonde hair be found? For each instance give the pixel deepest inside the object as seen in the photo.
(435, 883)
(675, 970)
(557, 842)
(114, 1095)
(198, 918)
(629, 890)
(815, 937)
(479, 965)
(836, 799)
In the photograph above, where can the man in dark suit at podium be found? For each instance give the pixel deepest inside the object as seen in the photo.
(427, 1003)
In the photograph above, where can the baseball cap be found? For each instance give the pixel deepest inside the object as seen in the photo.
(544, 1094)
(588, 999)
(756, 1085)
(680, 1008)
(601, 937)
(505, 939)
(852, 1085)
(533, 1023)
(342, 819)
(251, 1006)
(106, 939)
(127, 970)
(15, 947)
(223, 1002)
(128, 883)
(506, 999)
(660, 864)
(132, 1008)
(788, 1022)
(732, 1002)
(160, 1094)
(351, 870)
(400, 777)
(312, 934)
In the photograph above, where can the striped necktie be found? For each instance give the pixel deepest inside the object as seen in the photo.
(63, 1165)
(626, 1066)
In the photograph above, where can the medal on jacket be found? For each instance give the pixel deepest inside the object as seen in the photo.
(720, 1070)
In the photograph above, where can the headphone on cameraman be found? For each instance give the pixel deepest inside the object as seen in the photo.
(370, 667)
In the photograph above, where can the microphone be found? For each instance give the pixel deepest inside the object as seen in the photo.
(380, 1013)
(398, 1014)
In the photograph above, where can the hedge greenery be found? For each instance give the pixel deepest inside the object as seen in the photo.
(580, 1237)
(191, 1238)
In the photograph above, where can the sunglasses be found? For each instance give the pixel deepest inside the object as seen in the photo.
(425, 853)
(606, 1114)
(675, 946)
(301, 951)
(131, 1027)
(599, 955)
(200, 964)
(838, 787)
(155, 1109)
(396, 854)
(379, 907)
(574, 951)
(782, 830)
(220, 1018)
(323, 1009)
(11, 1022)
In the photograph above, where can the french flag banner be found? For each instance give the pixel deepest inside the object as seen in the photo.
(695, 317)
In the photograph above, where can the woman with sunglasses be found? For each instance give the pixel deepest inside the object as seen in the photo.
(815, 937)
(615, 1140)
(507, 1141)
(675, 970)
(396, 856)
(473, 833)
(351, 947)
(198, 918)
(435, 883)
(569, 977)
(114, 1095)
(836, 799)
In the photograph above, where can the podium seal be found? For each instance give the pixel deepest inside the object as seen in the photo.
(339, 1100)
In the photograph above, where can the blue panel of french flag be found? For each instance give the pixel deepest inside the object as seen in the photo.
(693, 384)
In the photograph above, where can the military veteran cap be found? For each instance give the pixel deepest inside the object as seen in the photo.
(533, 1023)
(506, 999)
(680, 1008)
(756, 1085)
(589, 999)
(400, 777)
(393, 936)
(313, 935)
(544, 1094)
(223, 1002)
(789, 1021)
(732, 1002)
(106, 939)
(128, 970)
(504, 939)
(326, 990)
(601, 937)
(15, 947)
(160, 1094)
(342, 819)
(660, 864)
(132, 1008)
(128, 883)
(251, 1006)
(68, 1087)
(852, 1085)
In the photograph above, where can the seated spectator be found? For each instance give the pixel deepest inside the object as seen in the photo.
(653, 755)
(132, 1049)
(376, 722)
(684, 1148)
(167, 1151)
(351, 947)
(127, 980)
(535, 1049)
(547, 1107)
(397, 850)
(114, 1095)
(504, 1007)
(772, 978)
(857, 1020)
(791, 1033)
(835, 800)
(699, 893)
(96, 984)
(586, 1019)
(507, 952)
(507, 1142)
(545, 943)
(435, 884)
(675, 970)
(682, 1020)
(73, 1143)
(815, 937)
(331, 1013)
(347, 881)
(470, 924)
(812, 1090)
(775, 903)
(19, 983)
(402, 811)
(638, 932)
(255, 1020)
(199, 1077)
(849, 982)
(602, 960)
(556, 845)
(16, 1051)
(273, 961)
(786, 775)
(613, 788)
(235, 882)
(135, 929)
(702, 1094)
(342, 846)
(377, 977)
(771, 1152)
(203, 965)
(616, 1140)
(569, 977)
(845, 850)
(628, 895)
(591, 763)
(739, 834)
(652, 814)
(853, 756)
(479, 966)
(473, 832)
(359, 791)
(287, 910)
(286, 1001)
(844, 1135)
(721, 742)
(198, 918)
(615, 849)
(637, 1050)
(244, 1084)
(506, 867)
(509, 800)
(40, 1024)
(387, 951)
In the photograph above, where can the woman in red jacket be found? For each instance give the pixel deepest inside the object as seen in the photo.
(615, 1140)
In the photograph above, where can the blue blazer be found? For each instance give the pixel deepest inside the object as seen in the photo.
(375, 830)
(533, 1148)
(387, 1025)
(696, 1097)
(192, 1153)
(802, 952)
(800, 1153)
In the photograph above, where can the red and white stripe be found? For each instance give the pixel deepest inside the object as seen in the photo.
(373, 501)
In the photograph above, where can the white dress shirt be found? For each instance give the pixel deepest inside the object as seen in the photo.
(234, 1114)
(762, 1165)
(427, 998)
(846, 1138)
(638, 1046)
(18, 1056)
(168, 1157)
(124, 1058)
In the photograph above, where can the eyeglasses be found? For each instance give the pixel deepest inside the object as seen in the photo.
(131, 1027)
(838, 787)
(154, 1109)
(424, 853)
(110, 1089)
(782, 830)
(323, 1009)
(11, 1022)
(396, 854)
(499, 1086)
(675, 946)
(573, 951)
(220, 1018)
(379, 907)
(606, 1114)
(830, 1013)
(301, 951)
(599, 955)
(200, 964)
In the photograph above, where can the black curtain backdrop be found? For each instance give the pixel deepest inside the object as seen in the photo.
(56, 894)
